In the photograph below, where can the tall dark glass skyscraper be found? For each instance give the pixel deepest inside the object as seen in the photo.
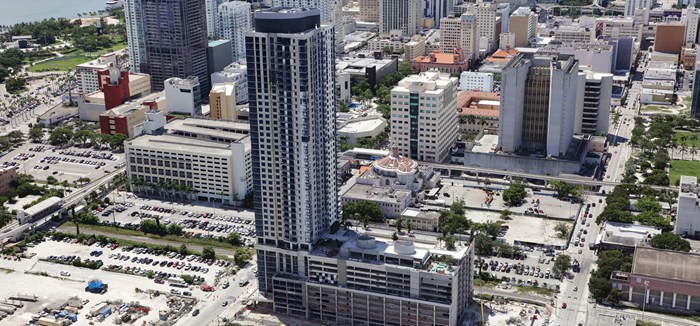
(168, 38)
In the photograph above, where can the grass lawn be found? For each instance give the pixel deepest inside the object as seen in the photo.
(74, 57)
(70, 227)
(59, 64)
(647, 107)
(679, 168)
(535, 290)
(688, 140)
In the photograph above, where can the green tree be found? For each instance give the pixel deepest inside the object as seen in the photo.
(15, 136)
(599, 287)
(183, 250)
(15, 85)
(116, 142)
(51, 180)
(208, 253)
(36, 134)
(342, 107)
(562, 230)
(608, 262)
(235, 239)
(506, 214)
(409, 226)
(515, 194)
(174, 229)
(648, 204)
(189, 279)
(658, 178)
(450, 242)
(483, 245)
(60, 136)
(242, 256)
(151, 226)
(363, 208)
(394, 236)
(457, 207)
(565, 189)
(399, 225)
(670, 241)
(561, 264)
(83, 135)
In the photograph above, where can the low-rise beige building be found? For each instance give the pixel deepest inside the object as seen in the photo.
(222, 102)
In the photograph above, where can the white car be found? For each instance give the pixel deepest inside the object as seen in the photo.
(64, 273)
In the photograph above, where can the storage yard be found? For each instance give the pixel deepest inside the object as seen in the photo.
(49, 288)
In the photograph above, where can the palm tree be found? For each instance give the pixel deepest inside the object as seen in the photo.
(482, 123)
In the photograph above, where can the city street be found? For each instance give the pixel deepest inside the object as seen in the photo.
(574, 290)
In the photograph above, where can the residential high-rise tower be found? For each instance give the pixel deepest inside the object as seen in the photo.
(306, 266)
(133, 16)
(169, 39)
(291, 91)
(234, 22)
(212, 12)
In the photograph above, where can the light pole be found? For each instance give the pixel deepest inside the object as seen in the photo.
(646, 291)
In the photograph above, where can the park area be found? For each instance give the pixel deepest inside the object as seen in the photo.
(687, 139)
(679, 168)
(60, 63)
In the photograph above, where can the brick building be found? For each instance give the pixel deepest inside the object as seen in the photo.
(7, 176)
(127, 118)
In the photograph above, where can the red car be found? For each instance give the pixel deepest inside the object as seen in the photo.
(563, 305)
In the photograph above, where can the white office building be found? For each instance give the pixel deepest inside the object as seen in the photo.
(234, 73)
(476, 81)
(234, 21)
(403, 15)
(538, 104)
(688, 214)
(183, 96)
(86, 73)
(690, 19)
(193, 159)
(424, 116)
(133, 16)
(634, 7)
(593, 102)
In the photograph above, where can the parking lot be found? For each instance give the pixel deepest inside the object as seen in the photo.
(71, 164)
(474, 196)
(138, 261)
(534, 270)
(523, 229)
(196, 220)
(132, 274)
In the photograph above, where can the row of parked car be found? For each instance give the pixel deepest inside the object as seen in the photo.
(91, 154)
(23, 156)
(41, 148)
(164, 263)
